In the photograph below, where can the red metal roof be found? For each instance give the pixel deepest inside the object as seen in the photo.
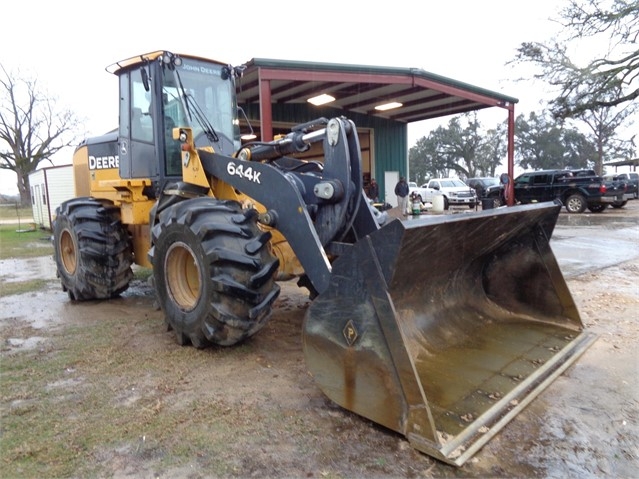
(359, 88)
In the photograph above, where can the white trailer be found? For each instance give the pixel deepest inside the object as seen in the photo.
(49, 188)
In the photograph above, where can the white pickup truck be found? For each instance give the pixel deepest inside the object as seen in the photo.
(419, 191)
(454, 190)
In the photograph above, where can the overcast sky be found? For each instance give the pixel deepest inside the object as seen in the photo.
(67, 44)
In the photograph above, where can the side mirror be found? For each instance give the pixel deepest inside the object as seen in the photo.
(145, 79)
(250, 135)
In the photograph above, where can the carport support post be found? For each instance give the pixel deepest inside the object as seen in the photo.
(266, 109)
(510, 187)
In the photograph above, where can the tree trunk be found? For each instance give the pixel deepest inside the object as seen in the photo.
(24, 188)
(599, 162)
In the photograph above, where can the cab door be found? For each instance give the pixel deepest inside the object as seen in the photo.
(136, 139)
(523, 188)
(541, 187)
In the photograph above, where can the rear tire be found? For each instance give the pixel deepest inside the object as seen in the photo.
(598, 208)
(92, 249)
(576, 204)
(619, 204)
(214, 273)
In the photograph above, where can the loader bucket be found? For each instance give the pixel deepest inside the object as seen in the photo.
(444, 328)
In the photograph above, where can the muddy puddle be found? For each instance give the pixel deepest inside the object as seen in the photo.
(50, 307)
(15, 270)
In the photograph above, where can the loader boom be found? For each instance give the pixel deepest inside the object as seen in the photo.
(317, 211)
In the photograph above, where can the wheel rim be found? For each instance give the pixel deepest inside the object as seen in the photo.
(182, 276)
(574, 205)
(68, 252)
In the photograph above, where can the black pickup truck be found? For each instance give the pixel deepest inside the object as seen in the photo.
(576, 189)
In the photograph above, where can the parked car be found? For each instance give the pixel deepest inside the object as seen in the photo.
(634, 178)
(629, 189)
(487, 187)
(454, 190)
(631, 180)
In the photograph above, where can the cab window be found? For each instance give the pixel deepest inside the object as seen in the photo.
(141, 119)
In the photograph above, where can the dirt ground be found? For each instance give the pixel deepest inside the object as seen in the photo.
(262, 415)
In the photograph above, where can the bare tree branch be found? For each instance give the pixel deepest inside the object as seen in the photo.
(603, 83)
(32, 128)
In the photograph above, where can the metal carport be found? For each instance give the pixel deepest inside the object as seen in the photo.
(270, 85)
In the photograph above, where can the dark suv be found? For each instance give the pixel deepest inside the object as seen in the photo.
(487, 187)
(632, 183)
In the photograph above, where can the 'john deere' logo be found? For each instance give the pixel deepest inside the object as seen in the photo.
(103, 162)
(350, 333)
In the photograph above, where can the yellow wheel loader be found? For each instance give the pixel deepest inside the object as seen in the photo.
(415, 325)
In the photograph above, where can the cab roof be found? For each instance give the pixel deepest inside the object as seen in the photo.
(117, 67)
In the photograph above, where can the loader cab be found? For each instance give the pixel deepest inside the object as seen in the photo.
(162, 91)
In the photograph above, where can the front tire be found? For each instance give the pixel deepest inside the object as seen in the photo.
(619, 204)
(213, 271)
(92, 249)
(576, 204)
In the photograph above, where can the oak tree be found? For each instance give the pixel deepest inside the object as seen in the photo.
(544, 143)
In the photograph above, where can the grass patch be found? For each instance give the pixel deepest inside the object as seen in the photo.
(15, 212)
(141, 273)
(29, 244)
(55, 412)
(93, 395)
(20, 287)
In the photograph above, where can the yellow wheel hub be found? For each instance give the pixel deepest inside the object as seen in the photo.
(68, 252)
(182, 276)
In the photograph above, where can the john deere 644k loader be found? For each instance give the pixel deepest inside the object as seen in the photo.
(413, 324)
